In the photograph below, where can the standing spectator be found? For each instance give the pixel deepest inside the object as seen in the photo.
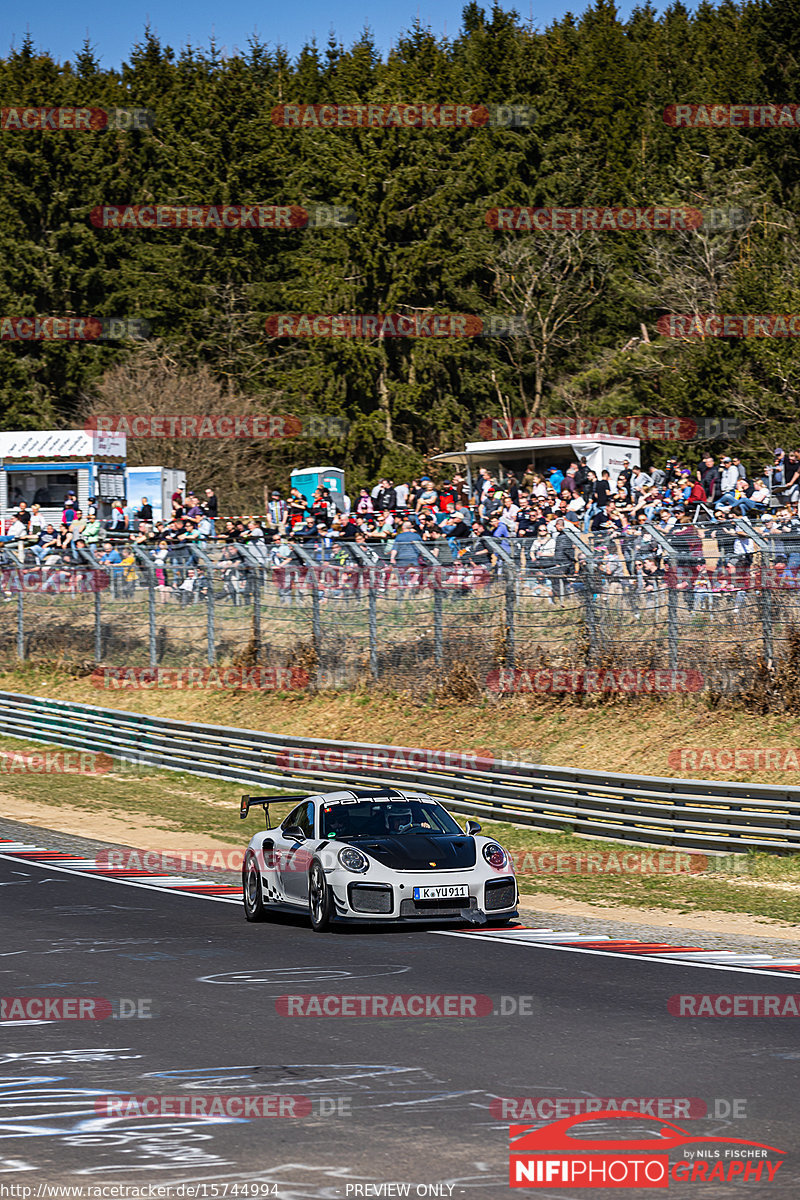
(602, 491)
(145, 513)
(640, 481)
(118, 521)
(401, 494)
(92, 529)
(70, 506)
(729, 477)
(386, 497)
(568, 481)
(276, 512)
(280, 558)
(564, 554)
(428, 497)
(323, 509)
(36, 523)
(625, 476)
(296, 507)
(210, 507)
(556, 479)
(404, 552)
(581, 473)
(710, 478)
(364, 504)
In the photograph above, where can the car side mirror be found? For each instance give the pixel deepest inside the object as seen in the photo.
(473, 827)
(293, 833)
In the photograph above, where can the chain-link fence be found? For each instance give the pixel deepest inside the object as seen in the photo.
(466, 613)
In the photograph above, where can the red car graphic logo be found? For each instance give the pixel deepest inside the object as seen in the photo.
(557, 1136)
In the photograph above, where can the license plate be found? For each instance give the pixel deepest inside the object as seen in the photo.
(444, 892)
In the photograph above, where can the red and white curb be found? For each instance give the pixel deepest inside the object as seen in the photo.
(73, 864)
(604, 944)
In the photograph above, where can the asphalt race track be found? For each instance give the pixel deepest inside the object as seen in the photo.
(392, 1099)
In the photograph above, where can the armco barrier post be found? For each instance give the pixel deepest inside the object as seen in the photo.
(316, 628)
(438, 649)
(672, 594)
(211, 635)
(766, 551)
(98, 625)
(20, 620)
(149, 566)
(591, 611)
(255, 574)
(202, 560)
(510, 573)
(372, 600)
(672, 627)
(510, 638)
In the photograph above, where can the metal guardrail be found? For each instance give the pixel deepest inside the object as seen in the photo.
(658, 811)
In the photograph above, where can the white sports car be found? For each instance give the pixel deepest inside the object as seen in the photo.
(377, 855)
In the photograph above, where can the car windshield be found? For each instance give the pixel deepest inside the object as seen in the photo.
(382, 818)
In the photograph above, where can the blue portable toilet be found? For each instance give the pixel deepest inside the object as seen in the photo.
(308, 479)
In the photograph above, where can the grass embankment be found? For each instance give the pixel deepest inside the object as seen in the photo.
(631, 736)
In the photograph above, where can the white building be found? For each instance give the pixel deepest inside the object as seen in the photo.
(603, 452)
(42, 466)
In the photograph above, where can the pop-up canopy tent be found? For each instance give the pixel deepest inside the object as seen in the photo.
(602, 452)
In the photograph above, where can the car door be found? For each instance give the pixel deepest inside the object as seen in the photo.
(295, 857)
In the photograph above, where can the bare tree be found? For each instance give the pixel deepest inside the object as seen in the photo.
(552, 280)
(152, 383)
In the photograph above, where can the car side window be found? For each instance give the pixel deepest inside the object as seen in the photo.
(303, 816)
(295, 817)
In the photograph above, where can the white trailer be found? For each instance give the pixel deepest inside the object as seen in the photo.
(156, 483)
(603, 452)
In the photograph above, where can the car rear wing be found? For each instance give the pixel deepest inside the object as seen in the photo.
(248, 802)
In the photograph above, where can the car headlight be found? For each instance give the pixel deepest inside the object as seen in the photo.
(353, 859)
(495, 856)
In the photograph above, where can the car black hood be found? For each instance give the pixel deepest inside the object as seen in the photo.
(420, 851)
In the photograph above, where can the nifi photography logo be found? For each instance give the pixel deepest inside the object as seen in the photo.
(581, 1151)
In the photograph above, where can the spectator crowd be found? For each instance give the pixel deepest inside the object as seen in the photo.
(630, 523)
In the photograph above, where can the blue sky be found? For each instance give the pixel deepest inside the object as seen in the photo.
(113, 28)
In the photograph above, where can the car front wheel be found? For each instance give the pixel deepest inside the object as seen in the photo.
(320, 902)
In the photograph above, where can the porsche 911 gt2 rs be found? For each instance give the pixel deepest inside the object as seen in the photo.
(378, 855)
